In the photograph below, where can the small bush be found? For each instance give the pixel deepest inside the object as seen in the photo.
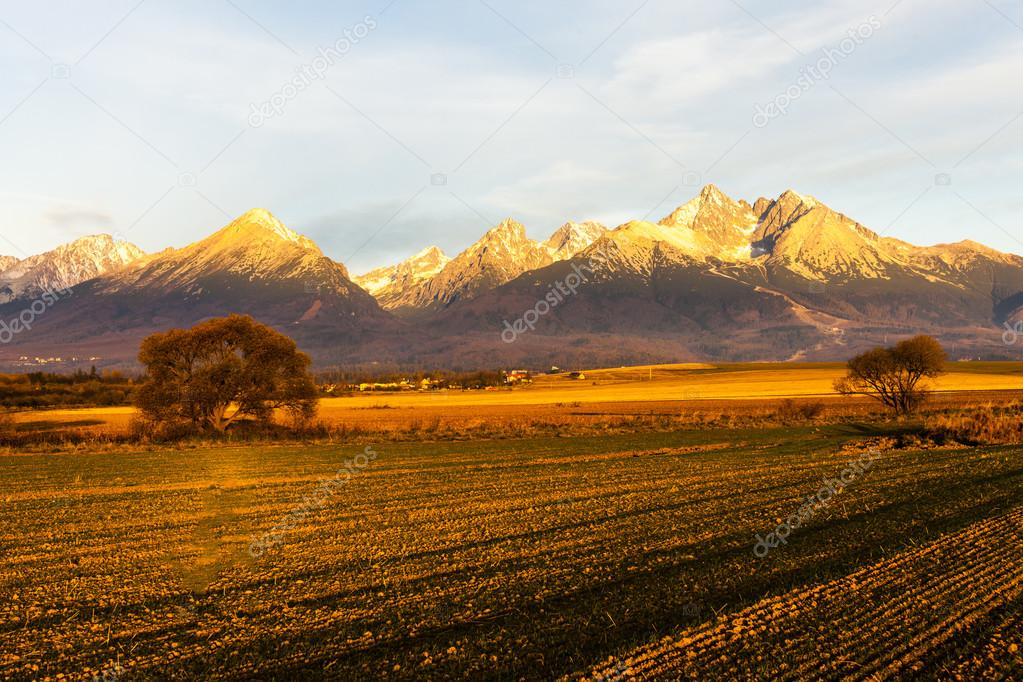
(6, 424)
(983, 426)
(790, 411)
(144, 430)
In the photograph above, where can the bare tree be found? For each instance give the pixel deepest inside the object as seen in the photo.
(892, 375)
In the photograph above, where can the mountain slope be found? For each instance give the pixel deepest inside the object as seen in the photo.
(254, 265)
(66, 265)
(391, 284)
(810, 239)
(503, 253)
(7, 262)
(788, 278)
(254, 247)
(717, 279)
(431, 281)
(571, 238)
(710, 226)
(713, 224)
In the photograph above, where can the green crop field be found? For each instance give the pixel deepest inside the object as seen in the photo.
(509, 559)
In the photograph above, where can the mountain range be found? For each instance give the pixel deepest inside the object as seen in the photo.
(501, 255)
(716, 279)
(64, 266)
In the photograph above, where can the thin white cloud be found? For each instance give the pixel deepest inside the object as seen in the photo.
(450, 84)
(680, 72)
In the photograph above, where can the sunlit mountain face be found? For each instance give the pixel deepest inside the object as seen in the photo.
(717, 278)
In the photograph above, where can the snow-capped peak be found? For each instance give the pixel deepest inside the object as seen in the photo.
(572, 237)
(710, 224)
(259, 221)
(67, 265)
(501, 254)
(508, 226)
(508, 237)
(429, 253)
(684, 215)
(805, 199)
(709, 199)
(714, 195)
(103, 247)
(391, 281)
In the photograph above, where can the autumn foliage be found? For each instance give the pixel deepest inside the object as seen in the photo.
(221, 371)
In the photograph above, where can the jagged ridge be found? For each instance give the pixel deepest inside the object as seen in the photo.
(66, 266)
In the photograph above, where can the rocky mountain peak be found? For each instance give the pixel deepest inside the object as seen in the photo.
(507, 229)
(7, 262)
(424, 264)
(808, 238)
(721, 227)
(792, 197)
(775, 216)
(66, 265)
(259, 224)
(388, 284)
(503, 253)
(572, 237)
(707, 202)
(256, 247)
(429, 253)
(506, 240)
(711, 193)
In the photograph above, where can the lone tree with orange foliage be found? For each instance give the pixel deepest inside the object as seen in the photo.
(892, 375)
(221, 371)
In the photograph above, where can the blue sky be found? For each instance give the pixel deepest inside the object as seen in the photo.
(137, 117)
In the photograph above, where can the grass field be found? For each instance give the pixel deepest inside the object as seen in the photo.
(661, 389)
(516, 559)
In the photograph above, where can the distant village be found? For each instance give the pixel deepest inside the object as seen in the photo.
(59, 370)
(478, 381)
(26, 361)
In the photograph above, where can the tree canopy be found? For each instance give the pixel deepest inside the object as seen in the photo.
(892, 375)
(221, 371)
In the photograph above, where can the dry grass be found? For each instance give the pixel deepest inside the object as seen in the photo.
(440, 423)
(792, 412)
(669, 391)
(988, 425)
(608, 401)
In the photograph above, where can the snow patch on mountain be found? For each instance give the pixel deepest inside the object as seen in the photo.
(260, 224)
(391, 284)
(256, 247)
(500, 255)
(571, 238)
(67, 265)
